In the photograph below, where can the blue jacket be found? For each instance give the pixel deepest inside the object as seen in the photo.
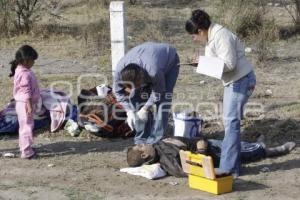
(157, 59)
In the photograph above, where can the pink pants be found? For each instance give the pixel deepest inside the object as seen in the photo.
(26, 124)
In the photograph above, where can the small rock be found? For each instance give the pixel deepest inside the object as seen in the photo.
(47, 150)
(173, 183)
(51, 165)
(93, 149)
(146, 3)
(277, 4)
(202, 82)
(72, 127)
(115, 169)
(270, 4)
(72, 149)
(9, 155)
(4, 138)
(268, 92)
(248, 49)
(289, 7)
(36, 146)
(265, 169)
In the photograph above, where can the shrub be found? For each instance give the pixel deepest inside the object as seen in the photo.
(6, 17)
(246, 18)
(293, 8)
(19, 16)
(243, 17)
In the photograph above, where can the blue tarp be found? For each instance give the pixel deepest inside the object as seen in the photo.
(9, 121)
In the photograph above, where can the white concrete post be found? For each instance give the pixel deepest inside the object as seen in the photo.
(118, 32)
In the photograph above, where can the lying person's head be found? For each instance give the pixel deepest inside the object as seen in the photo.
(202, 147)
(140, 154)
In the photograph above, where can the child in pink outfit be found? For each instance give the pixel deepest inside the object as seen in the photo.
(26, 94)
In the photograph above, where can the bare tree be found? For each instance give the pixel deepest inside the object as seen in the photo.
(293, 8)
(26, 13)
(297, 4)
(19, 16)
(132, 2)
(4, 16)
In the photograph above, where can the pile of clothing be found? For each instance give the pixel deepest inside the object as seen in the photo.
(56, 104)
(100, 114)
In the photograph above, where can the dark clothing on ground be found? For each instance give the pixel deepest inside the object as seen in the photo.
(167, 154)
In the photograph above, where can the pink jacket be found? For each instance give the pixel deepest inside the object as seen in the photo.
(25, 85)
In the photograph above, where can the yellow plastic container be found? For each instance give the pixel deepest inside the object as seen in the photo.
(217, 186)
(202, 174)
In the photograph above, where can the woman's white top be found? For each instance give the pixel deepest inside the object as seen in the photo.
(225, 45)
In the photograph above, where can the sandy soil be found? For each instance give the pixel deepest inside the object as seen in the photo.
(81, 169)
(88, 168)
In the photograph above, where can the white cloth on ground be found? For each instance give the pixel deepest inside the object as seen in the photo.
(151, 172)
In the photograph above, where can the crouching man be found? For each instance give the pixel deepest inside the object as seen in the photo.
(166, 152)
(145, 77)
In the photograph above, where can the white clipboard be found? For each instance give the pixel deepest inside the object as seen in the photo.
(210, 66)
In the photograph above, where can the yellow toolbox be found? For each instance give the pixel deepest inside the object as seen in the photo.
(202, 174)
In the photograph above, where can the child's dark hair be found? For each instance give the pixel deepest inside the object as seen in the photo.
(199, 20)
(24, 53)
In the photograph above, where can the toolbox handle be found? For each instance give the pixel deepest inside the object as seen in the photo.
(193, 163)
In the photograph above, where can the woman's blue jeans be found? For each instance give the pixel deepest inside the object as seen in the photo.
(235, 97)
(250, 152)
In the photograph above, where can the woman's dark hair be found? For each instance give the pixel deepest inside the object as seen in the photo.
(199, 20)
(24, 53)
(133, 73)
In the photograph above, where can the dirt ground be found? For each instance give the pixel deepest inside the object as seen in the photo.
(87, 167)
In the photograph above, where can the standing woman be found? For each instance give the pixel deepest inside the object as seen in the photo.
(238, 79)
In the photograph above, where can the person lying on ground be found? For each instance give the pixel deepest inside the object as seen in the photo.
(166, 152)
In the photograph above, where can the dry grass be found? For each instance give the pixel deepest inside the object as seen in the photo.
(82, 35)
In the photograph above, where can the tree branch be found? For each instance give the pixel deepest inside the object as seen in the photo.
(284, 3)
